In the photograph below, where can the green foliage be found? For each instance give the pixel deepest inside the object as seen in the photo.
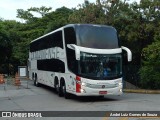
(150, 71)
(5, 48)
(26, 15)
(57, 18)
(91, 13)
(150, 77)
(42, 10)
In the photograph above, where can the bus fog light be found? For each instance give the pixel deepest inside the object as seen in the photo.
(83, 84)
(83, 91)
(120, 90)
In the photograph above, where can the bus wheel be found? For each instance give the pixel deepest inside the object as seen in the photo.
(33, 76)
(57, 88)
(56, 85)
(65, 93)
(60, 90)
(36, 81)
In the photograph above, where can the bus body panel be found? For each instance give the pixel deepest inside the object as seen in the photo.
(52, 64)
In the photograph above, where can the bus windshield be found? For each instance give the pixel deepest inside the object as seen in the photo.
(103, 37)
(100, 66)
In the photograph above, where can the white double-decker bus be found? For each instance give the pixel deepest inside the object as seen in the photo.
(79, 59)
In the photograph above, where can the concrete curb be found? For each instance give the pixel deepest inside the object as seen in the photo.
(141, 91)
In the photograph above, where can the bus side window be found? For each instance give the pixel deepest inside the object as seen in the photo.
(70, 38)
(58, 41)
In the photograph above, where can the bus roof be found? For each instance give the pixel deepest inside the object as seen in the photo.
(71, 25)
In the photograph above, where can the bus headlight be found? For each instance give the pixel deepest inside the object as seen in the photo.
(120, 83)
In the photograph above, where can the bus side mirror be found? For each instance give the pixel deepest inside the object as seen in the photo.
(77, 51)
(129, 53)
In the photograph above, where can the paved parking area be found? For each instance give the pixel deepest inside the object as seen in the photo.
(27, 97)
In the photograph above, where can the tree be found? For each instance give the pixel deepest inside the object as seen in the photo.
(28, 16)
(25, 15)
(5, 49)
(58, 18)
(91, 13)
(42, 10)
(150, 71)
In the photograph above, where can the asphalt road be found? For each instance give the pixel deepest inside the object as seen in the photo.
(45, 99)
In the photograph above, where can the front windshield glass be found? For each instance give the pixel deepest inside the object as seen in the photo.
(100, 66)
(100, 37)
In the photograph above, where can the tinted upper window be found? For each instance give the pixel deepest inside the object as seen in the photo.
(52, 40)
(53, 65)
(101, 37)
(70, 36)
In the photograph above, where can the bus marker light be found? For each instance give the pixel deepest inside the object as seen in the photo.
(78, 78)
(78, 84)
(78, 88)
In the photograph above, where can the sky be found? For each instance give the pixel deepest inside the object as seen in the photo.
(8, 8)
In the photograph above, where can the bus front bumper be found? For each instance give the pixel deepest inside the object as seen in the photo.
(99, 92)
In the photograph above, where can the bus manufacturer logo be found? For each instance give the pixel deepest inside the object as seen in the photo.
(103, 86)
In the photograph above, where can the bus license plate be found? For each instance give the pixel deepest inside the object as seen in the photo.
(102, 92)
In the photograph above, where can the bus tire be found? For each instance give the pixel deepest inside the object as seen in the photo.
(60, 90)
(36, 81)
(56, 85)
(33, 76)
(66, 94)
(57, 88)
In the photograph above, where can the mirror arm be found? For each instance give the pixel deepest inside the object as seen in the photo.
(129, 53)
